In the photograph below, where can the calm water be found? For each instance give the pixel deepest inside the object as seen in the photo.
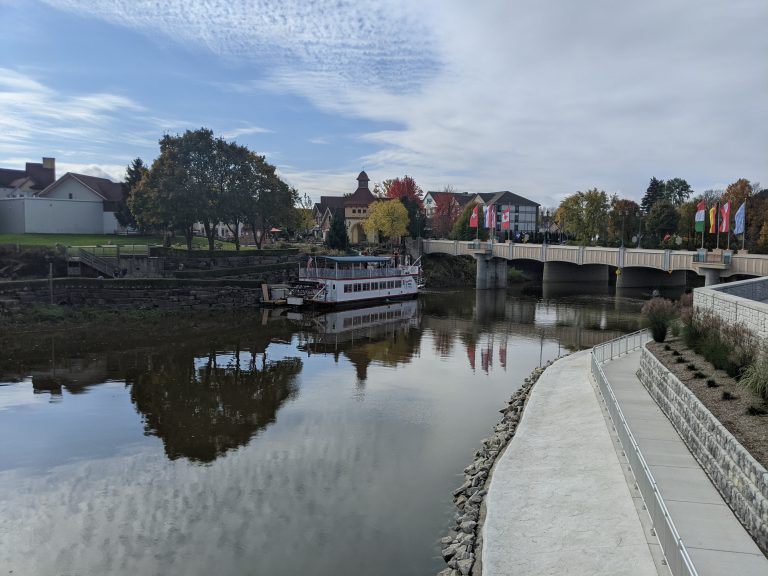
(302, 445)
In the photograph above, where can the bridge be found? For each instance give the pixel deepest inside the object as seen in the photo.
(634, 266)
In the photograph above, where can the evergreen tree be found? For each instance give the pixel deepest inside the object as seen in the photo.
(656, 191)
(337, 233)
(135, 171)
(677, 191)
(462, 231)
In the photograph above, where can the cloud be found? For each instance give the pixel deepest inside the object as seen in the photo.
(543, 99)
(245, 131)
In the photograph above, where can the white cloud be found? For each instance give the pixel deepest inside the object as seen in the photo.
(245, 131)
(543, 99)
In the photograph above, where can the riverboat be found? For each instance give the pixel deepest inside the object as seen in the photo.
(344, 280)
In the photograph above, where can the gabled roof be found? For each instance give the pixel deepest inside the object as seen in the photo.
(33, 172)
(329, 203)
(106, 189)
(506, 198)
(361, 197)
(462, 198)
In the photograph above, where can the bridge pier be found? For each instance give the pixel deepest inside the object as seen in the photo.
(566, 272)
(491, 272)
(649, 278)
(711, 276)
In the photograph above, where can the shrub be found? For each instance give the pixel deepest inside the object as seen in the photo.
(712, 384)
(667, 347)
(728, 396)
(659, 312)
(691, 366)
(698, 374)
(680, 360)
(756, 411)
(755, 375)
(728, 347)
(676, 353)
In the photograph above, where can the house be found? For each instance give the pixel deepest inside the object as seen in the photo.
(353, 207)
(523, 213)
(431, 199)
(73, 204)
(35, 177)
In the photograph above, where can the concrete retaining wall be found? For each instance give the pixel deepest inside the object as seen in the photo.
(741, 480)
(737, 303)
(122, 294)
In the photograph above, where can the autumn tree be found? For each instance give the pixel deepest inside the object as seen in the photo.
(584, 214)
(405, 187)
(447, 211)
(739, 191)
(686, 223)
(387, 217)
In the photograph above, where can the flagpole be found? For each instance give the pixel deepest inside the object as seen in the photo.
(744, 232)
(717, 226)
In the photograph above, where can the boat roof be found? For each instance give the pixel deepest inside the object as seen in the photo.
(355, 259)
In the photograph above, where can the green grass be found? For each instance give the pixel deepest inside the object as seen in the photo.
(52, 240)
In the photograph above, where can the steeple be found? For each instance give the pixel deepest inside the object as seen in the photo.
(362, 180)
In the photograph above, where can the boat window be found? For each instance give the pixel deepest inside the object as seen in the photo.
(398, 284)
(347, 288)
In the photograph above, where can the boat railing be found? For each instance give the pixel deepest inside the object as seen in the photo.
(350, 274)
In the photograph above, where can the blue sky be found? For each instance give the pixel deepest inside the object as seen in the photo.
(540, 98)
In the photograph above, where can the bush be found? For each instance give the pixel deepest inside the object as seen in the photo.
(755, 375)
(659, 312)
(728, 347)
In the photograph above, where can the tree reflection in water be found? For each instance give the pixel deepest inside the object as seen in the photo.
(202, 409)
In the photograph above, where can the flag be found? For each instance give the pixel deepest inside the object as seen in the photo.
(309, 262)
(701, 216)
(667, 236)
(471, 355)
(473, 218)
(505, 219)
(725, 217)
(712, 222)
(490, 216)
(503, 355)
(739, 224)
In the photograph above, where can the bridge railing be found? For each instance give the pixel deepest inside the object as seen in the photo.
(678, 559)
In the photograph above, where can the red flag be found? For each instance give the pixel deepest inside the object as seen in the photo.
(667, 236)
(505, 219)
(725, 217)
(503, 355)
(471, 355)
(473, 218)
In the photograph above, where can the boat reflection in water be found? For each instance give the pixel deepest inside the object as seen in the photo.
(387, 333)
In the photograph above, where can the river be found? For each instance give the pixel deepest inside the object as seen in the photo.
(324, 445)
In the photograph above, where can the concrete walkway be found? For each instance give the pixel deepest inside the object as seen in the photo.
(716, 541)
(558, 501)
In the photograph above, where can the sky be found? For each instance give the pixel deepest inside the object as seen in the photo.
(542, 98)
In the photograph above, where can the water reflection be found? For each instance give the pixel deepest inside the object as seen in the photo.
(286, 444)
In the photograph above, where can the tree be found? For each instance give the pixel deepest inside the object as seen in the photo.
(623, 219)
(337, 238)
(739, 191)
(387, 217)
(584, 214)
(686, 223)
(677, 191)
(662, 219)
(416, 217)
(405, 187)
(135, 171)
(461, 229)
(447, 211)
(655, 192)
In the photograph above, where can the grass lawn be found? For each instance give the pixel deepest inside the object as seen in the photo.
(51, 240)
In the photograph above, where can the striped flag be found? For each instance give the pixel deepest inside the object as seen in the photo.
(740, 219)
(701, 216)
(725, 217)
(712, 221)
(490, 216)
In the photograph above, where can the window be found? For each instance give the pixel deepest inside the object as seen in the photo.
(347, 288)
(398, 283)
(70, 195)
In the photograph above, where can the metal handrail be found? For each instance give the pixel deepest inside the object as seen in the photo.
(350, 274)
(678, 559)
(98, 263)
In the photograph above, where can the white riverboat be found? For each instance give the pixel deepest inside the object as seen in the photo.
(341, 280)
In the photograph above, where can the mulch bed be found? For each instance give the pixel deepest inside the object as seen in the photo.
(750, 430)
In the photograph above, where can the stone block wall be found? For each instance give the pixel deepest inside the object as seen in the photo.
(130, 294)
(740, 302)
(739, 478)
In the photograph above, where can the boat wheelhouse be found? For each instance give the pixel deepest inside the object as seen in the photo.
(335, 280)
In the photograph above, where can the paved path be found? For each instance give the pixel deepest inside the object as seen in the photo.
(716, 541)
(558, 501)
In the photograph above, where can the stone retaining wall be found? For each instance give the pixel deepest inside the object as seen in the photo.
(737, 303)
(460, 548)
(130, 294)
(739, 478)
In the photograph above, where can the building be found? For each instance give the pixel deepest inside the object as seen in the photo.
(431, 199)
(35, 201)
(523, 213)
(354, 207)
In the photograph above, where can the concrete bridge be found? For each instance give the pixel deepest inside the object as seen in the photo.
(635, 267)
